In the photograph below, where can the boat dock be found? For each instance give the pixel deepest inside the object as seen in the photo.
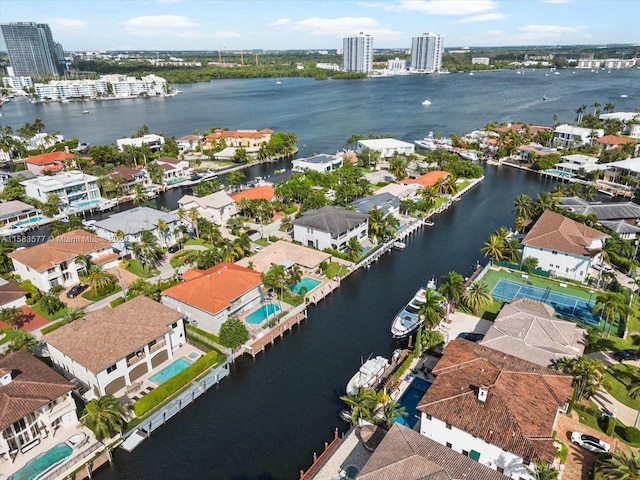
(268, 337)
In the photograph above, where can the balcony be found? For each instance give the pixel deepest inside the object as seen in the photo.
(135, 359)
(161, 344)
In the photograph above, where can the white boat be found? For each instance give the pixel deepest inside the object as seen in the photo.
(10, 231)
(107, 204)
(468, 155)
(398, 245)
(407, 320)
(152, 194)
(77, 440)
(624, 96)
(471, 73)
(426, 143)
(429, 223)
(426, 102)
(368, 374)
(85, 112)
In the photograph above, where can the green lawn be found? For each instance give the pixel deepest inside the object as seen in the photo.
(594, 423)
(620, 376)
(199, 242)
(94, 296)
(616, 343)
(135, 267)
(38, 309)
(7, 335)
(334, 269)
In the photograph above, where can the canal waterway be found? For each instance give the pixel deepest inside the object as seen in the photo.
(266, 419)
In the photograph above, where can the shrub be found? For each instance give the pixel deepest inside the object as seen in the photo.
(233, 333)
(162, 392)
(124, 264)
(292, 209)
(116, 301)
(56, 289)
(52, 327)
(632, 435)
(562, 453)
(609, 425)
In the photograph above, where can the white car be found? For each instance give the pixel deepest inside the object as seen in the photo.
(589, 442)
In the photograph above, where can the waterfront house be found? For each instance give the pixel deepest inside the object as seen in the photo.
(35, 403)
(174, 169)
(387, 147)
(208, 298)
(52, 162)
(286, 254)
(5, 176)
(609, 142)
(498, 409)
(263, 192)
(109, 349)
(568, 136)
(429, 179)
(521, 129)
(77, 191)
(330, 227)
(189, 143)
(619, 217)
(322, 163)
(53, 262)
(154, 142)
(385, 202)
(526, 153)
(623, 168)
(216, 207)
(125, 228)
(565, 248)
(402, 191)
(130, 176)
(576, 161)
(527, 329)
(15, 211)
(247, 139)
(11, 294)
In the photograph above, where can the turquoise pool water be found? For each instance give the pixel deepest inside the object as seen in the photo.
(175, 180)
(410, 399)
(87, 203)
(262, 313)
(170, 371)
(560, 172)
(306, 282)
(28, 221)
(43, 461)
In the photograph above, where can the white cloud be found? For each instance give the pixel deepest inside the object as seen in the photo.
(336, 27)
(66, 24)
(486, 17)
(282, 21)
(446, 7)
(159, 21)
(546, 30)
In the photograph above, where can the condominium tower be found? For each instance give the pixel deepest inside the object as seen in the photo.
(426, 53)
(32, 50)
(357, 53)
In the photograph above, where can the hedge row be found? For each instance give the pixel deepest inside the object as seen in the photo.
(208, 335)
(159, 394)
(52, 327)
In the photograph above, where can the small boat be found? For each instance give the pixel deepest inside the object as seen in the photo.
(85, 112)
(426, 102)
(624, 96)
(426, 143)
(107, 204)
(152, 194)
(544, 98)
(344, 415)
(368, 374)
(429, 223)
(398, 245)
(77, 440)
(407, 320)
(88, 223)
(278, 82)
(468, 155)
(470, 73)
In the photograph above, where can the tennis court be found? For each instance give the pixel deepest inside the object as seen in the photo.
(565, 305)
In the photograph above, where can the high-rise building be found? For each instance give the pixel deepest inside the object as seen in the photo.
(32, 50)
(357, 53)
(426, 52)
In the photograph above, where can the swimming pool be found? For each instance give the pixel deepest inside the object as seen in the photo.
(28, 221)
(43, 461)
(170, 371)
(262, 313)
(87, 203)
(306, 283)
(410, 399)
(555, 171)
(566, 305)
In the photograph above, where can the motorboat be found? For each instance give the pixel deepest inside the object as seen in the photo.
(426, 102)
(468, 155)
(13, 230)
(86, 112)
(77, 440)
(398, 245)
(107, 204)
(429, 223)
(623, 96)
(368, 374)
(426, 143)
(407, 320)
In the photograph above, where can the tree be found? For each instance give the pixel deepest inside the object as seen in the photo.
(193, 215)
(542, 471)
(10, 316)
(529, 264)
(426, 339)
(22, 341)
(587, 374)
(50, 304)
(105, 417)
(234, 179)
(6, 247)
(52, 206)
(147, 250)
(477, 296)
(609, 107)
(353, 249)
(140, 195)
(233, 333)
(494, 248)
(523, 207)
(141, 287)
(97, 277)
(162, 228)
(391, 410)
(430, 311)
(611, 305)
(622, 466)
(452, 288)
(72, 314)
(362, 403)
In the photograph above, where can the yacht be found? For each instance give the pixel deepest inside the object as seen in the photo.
(368, 374)
(407, 320)
(468, 155)
(426, 102)
(398, 245)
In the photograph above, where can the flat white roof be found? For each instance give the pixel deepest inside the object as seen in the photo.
(631, 164)
(379, 143)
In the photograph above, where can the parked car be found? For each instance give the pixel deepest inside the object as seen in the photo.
(471, 336)
(589, 442)
(76, 290)
(622, 355)
(175, 248)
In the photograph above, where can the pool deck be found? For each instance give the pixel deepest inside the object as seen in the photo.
(259, 342)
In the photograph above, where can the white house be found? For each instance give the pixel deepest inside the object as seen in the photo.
(11, 294)
(568, 136)
(174, 169)
(209, 298)
(562, 246)
(189, 143)
(320, 163)
(387, 147)
(111, 348)
(53, 263)
(15, 210)
(495, 408)
(574, 162)
(35, 403)
(387, 203)
(616, 170)
(77, 191)
(216, 207)
(125, 228)
(154, 142)
(330, 227)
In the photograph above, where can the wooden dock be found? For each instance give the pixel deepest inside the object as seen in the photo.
(268, 337)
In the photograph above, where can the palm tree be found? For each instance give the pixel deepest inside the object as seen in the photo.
(362, 404)
(611, 305)
(97, 277)
(451, 288)
(72, 314)
(523, 207)
(587, 374)
(431, 311)
(544, 201)
(542, 471)
(580, 112)
(622, 466)
(512, 250)
(295, 275)
(596, 106)
(353, 249)
(10, 316)
(147, 250)
(22, 341)
(140, 195)
(193, 215)
(609, 107)
(105, 417)
(477, 296)
(494, 248)
(391, 411)
(162, 228)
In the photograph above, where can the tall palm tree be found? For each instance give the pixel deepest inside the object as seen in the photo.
(353, 249)
(140, 195)
(542, 471)
(147, 250)
(97, 277)
(523, 207)
(10, 315)
(22, 341)
(622, 466)
(477, 296)
(611, 305)
(494, 248)
(587, 374)
(391, 410)
(451, 288)
(105, 417)
(362, 404)
(596, 110)
(431, 310)
(162, 228)
(609, 107)
(193, 215)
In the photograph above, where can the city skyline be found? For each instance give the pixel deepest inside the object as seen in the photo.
(294, 25)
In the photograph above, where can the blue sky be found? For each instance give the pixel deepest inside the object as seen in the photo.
(318, 24)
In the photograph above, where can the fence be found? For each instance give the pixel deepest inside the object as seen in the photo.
(71, 462)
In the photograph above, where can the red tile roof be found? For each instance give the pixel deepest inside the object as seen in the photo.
(428, 179)
(265, 192)
(238, 134)
(615, 140)
(523, 398)
(47, 158)
(520, 128)
(553, 231)
(214, 289)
